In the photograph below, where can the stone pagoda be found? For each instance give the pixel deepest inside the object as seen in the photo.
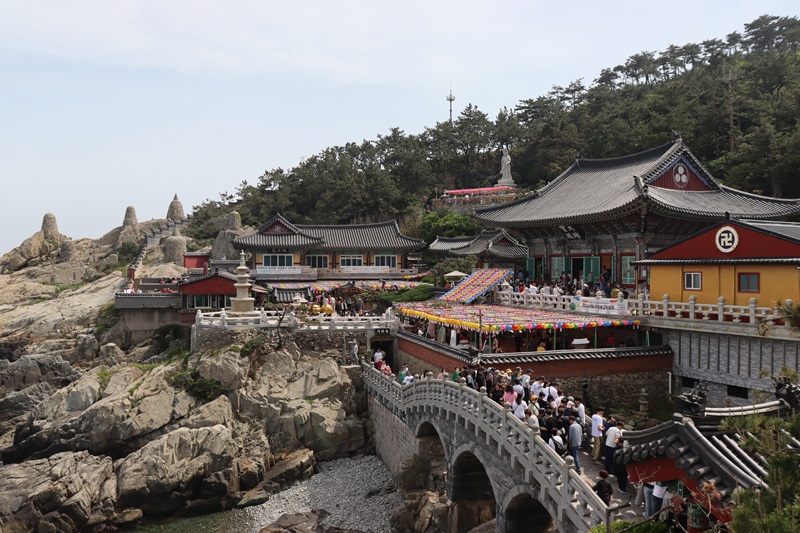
(242, 304)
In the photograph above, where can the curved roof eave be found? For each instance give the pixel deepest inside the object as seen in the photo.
(617, 212)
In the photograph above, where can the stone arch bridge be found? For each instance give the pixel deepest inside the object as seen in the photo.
(496, 466)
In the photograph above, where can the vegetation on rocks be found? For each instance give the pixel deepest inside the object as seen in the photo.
(419, 293)
(202, 388)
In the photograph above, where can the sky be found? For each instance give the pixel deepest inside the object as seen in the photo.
(109, 104)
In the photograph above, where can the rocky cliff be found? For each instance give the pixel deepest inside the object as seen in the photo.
(97, 435)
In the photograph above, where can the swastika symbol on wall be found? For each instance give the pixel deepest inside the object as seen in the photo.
(726, 239)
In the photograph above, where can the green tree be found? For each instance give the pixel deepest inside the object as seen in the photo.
(446, 223)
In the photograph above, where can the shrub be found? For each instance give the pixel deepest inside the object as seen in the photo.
(201, 388)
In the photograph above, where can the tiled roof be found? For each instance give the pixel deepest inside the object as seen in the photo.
(377, 236)
(701, 448)
(445, 244)
(716, 203)
(572, 355)
(788, 230)
(601, 189)
(195, 279)
(486, 242)
(293, 239)
(755, 261)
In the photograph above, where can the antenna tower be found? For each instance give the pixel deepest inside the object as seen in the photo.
(450, 99)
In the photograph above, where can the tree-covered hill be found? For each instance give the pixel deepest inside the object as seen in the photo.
(736, 101)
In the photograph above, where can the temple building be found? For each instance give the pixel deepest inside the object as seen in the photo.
(734, 259)
(284, 251)
(613, 212)
(493, 248)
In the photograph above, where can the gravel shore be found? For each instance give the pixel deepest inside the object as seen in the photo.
(358, 493)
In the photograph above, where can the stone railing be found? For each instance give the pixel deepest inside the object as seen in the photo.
(664, 308)
(501, 433)
(256, 319)
(347, 323)
(300, 324)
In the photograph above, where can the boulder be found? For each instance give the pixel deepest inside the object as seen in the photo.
(223, 245)
(34, 246)
(174, 248)
(111, 354)
(59, 493)
(228, 368)
(17, 404)
(413, 473)
(294, 466)
(31, 369)
(186, 464)
(87, 347)
(64, 313)
(213, 413)
(114, 425)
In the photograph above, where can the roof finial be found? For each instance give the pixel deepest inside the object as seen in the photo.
(676, 137)
(727, 216)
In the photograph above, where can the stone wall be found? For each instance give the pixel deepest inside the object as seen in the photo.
(733, 365)
(394, 441)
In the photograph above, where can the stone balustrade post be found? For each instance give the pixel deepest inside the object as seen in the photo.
(665, 300)
(566, 497)
(640, 304)
(721, 309)
(692, 306)
(752, 310)
(507, 412)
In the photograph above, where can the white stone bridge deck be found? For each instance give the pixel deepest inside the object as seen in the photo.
(491, 455)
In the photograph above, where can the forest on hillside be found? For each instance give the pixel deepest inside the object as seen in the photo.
(735, 100)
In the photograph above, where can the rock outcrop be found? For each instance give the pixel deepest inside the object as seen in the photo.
(61, 493)
(41, 246)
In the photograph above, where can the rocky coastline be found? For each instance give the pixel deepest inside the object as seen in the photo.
(98, 433)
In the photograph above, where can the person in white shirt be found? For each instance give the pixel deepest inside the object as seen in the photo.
(555, 438)
(519, 406)
(408, 379)
(580, 410)
(550, 392)
(597, 433)
(536, 387)
(532, 289)
(533, 421)
(612, 437)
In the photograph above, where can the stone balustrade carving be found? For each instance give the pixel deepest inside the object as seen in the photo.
(560, 488)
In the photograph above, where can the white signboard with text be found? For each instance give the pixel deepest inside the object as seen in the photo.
(599, 306)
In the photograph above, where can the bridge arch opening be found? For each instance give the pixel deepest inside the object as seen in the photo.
(431, 450)
(524, 513)
(472, 494)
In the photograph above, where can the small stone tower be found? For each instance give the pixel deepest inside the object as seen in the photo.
(175, 211)
(130, 217)
(50, 229)
(242, 304)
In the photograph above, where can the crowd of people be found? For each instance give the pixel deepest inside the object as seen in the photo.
(560, 418)
(567, 284)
